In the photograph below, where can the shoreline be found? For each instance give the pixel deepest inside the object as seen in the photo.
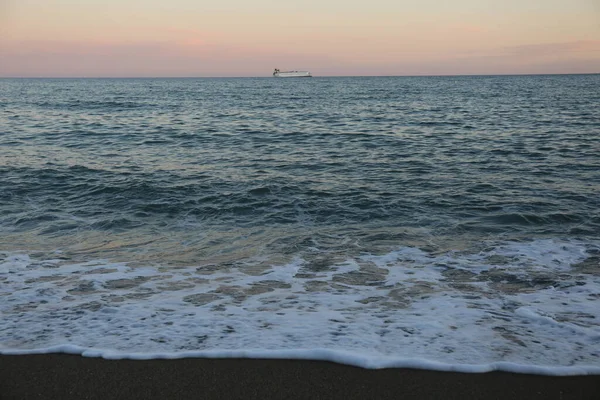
(65, 376)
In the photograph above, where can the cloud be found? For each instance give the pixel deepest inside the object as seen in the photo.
(544, 49)
(545, 58)
(75, 48)
(191, 53)
(166, 58)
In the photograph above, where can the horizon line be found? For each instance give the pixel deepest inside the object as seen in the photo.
(317, 76)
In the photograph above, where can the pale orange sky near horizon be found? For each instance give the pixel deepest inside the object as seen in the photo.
(112, 38)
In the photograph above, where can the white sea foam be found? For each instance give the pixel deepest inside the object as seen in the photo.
(522, 307)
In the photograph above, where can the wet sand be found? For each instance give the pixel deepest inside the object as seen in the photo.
(61, 376)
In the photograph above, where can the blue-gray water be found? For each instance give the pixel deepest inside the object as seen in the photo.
(248, 174)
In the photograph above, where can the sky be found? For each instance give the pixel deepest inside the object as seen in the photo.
(197, 38)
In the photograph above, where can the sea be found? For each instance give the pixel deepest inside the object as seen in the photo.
(447, 223)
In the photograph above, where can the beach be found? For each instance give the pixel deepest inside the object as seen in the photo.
(61, 376)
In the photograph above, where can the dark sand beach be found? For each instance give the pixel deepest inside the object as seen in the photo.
(60, 376)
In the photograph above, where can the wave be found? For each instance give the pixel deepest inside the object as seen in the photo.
(527, 307)
(336, 356)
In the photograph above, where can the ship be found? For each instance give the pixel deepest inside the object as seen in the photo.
(291, 74)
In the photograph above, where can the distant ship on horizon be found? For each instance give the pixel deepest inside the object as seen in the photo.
(291, 74)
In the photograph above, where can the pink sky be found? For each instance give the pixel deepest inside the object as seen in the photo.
(69, 38)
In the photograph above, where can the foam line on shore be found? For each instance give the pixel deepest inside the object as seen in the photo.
(336, 356)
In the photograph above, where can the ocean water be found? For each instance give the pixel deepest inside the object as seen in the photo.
(449, 223)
